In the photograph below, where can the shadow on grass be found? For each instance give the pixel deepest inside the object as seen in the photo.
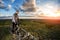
(4, 33)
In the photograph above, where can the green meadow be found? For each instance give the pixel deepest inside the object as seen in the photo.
(37, 28)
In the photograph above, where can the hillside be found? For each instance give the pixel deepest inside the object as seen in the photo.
(37, 28)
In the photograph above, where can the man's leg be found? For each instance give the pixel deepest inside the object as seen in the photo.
(13, 25)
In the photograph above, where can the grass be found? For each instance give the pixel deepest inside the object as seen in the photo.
(42, 30)
(4, 33)
(36, 27)
(4, 30)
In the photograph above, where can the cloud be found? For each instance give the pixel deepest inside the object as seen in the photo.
(9, 6)
(48, 10)
(5, 7)
(0, 14)
(12, 1)
(2, 4)
(29, 6)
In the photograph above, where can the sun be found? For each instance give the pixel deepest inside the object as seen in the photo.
(58, 12)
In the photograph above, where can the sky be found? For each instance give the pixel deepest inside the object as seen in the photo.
(9, 7)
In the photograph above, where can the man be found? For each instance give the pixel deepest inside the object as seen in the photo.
(15, 23)
(15, 20)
